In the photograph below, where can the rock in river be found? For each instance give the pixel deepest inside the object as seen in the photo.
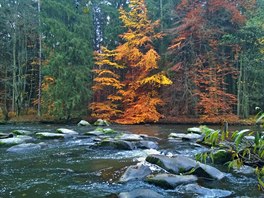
(135, 172)
(47, 135)
(140, 193)
(207, 192)
(170, 181)
(84, 123)
(67, 131)
(130, 137)
(101, 122)
(22, 132)
(22, 148)
(12, 141)
(182, 164)
(183, 136)
(176, 165)
(6, 135)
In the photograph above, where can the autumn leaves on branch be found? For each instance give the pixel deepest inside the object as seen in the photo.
(127, 82)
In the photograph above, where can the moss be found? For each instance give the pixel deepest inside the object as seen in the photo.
(160, 183)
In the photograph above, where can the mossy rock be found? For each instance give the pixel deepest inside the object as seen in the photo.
(101, 122)
(221, 156)
(47, 135)
(170, 181)
(83, 123)
(11, 141)
(22, 132)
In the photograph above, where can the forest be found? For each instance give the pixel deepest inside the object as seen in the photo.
(130, 62)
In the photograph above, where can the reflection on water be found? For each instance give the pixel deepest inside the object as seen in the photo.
(71, 168)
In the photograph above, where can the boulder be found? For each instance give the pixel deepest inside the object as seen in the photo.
(130, 137)
(183, 136)
(176, 165)
(22, 132)
(207, 171)
(207, 192)
(23, 148)
(48, 135)
(170, 181)
(12, 141)
(101, 122)
(140, 193)
(83, 123)
(135, 172)
(67, 131)
(182, 164)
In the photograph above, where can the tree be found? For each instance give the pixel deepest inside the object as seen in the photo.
(107, 86)
(18, 35)
(203, 61)
(68, 59)
(141, 80)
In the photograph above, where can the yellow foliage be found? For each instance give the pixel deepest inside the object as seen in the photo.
(157, 79)
(104, 110)
(108, 82)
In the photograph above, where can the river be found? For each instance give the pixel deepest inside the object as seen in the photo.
(71, 168)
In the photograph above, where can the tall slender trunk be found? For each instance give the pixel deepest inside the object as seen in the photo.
(239, 84)
(14, 83)
(40, 74)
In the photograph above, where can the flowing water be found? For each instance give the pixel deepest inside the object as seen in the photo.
(71, 168)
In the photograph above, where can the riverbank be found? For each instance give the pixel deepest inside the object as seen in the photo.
(231, 120)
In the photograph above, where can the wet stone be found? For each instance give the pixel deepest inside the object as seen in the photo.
(170, 181)
(207, 192)
(23, 148)
(135, 172)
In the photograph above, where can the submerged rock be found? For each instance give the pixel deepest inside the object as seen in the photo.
(117, 144)
(48, 135)
(67, 131)
(135, 172)
(22, 148)
(207, 192)
(183, 136)
(245, 170)
(84, 123)
(170, 181)
(140, 193)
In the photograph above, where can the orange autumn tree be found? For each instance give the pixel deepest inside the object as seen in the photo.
(106, 86)
(204, 62)
(141, 80)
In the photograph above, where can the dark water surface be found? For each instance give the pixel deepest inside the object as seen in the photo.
(71, 168)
